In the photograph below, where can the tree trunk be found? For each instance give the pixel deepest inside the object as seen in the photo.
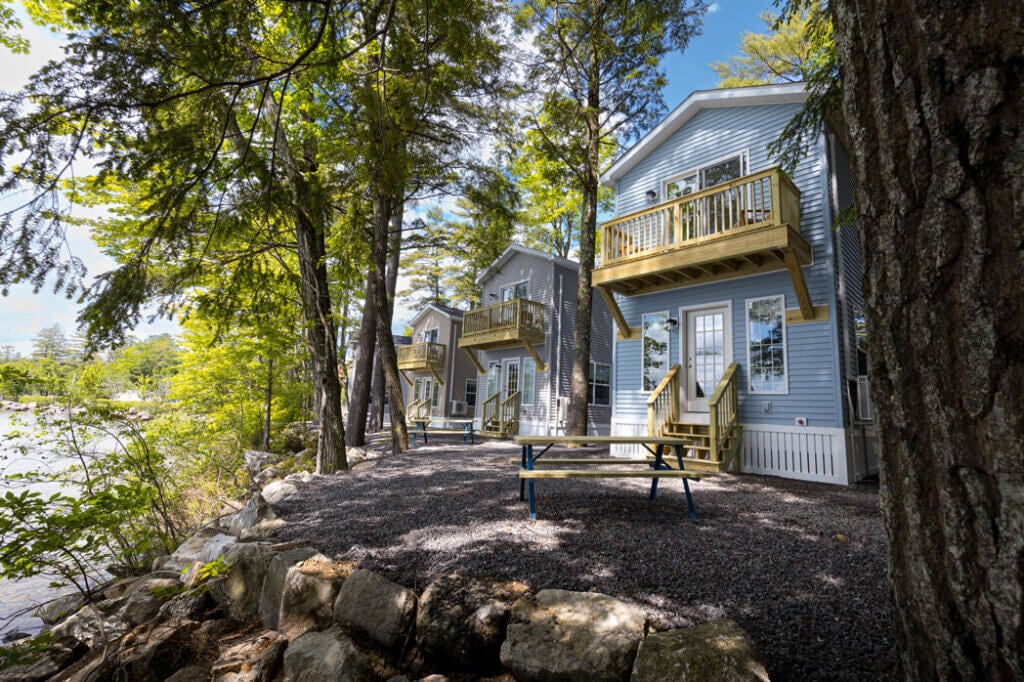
(384, 210)
(268, 402)
(933, 97)
(394, 253)
(579, 396)
(359, 390)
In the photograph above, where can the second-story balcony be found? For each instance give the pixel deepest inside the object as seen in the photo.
(742, 227)
(518, 322)
(422, 357)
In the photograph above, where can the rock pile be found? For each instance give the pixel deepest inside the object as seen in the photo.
(233, 605)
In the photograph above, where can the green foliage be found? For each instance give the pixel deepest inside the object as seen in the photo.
(14, 381)
(789, 51)
(25, 653)
(426, 259)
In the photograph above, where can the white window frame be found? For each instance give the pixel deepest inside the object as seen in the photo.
(744, 155)
(683, 331)
(512, 286)
(522, 381)
(465, 394)
(592, 381)
(785, 347)
(423, 334)
(668, 316)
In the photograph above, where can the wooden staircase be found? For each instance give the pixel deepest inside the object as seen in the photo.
(500, 418)
(716, 444)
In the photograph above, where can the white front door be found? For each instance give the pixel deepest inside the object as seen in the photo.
(707, 349)
(511, 383)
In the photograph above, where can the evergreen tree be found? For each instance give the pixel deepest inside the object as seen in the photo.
(426, 259)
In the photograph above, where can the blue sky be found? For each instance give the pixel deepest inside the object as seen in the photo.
(23, 314)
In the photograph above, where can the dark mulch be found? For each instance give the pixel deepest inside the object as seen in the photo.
(799, 565)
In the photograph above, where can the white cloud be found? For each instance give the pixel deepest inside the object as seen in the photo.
(713, 7)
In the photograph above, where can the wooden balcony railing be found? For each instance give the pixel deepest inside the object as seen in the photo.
(421, 356)
(757, 200)
(515, 321)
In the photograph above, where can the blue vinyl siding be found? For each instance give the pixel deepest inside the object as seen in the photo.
(811, 347)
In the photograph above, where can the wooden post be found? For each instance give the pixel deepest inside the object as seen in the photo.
(796, 273)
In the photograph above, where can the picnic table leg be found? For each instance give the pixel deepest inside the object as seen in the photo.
(522, 481)
(658, 464)
(415, 431)
(423, 425)
(533, 497)
(686, 483)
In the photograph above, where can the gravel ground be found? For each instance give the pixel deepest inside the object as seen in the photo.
(799, 565)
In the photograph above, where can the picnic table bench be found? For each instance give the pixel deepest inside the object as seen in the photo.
(658, 467)
(422, 427)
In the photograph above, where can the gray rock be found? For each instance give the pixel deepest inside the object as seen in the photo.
(266, 476)
(561, 635)
(461, 622)
(192, 673)
(299, 592)
(214, 547)
(719, 651)
(153, 653)
(256, 460)
(327, 656)
(276, 491)
(256, 510)
(188, 606)
(60, 607)
(187, 552)
(264, 530)
(238, 591)
(376, 607)
(94, 624)
(256, 659)
(60, 654)
(140, 608)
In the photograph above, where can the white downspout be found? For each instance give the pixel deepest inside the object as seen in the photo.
(451, 363)
(558, 359)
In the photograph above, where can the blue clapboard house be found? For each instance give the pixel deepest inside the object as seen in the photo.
(735, 289)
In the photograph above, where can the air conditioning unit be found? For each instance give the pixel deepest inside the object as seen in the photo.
(863, 398)
(458, 408)
(563, 409)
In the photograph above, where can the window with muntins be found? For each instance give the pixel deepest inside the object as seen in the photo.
(766, 345)
(517, 290)
(471, 392)
(655, 350)
(529, 381)
(707, 176)
(600, 383)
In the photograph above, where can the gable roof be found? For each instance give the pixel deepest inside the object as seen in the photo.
(447, 311)
(697, 101)
(512, 250)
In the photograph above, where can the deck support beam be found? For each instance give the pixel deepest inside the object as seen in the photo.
(609, 298)
(404, 376)
(541, 366)
(472, 356)
(436, 376)
(796, 273)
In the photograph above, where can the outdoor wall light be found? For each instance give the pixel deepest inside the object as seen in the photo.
(671, 323)
(652, 196)
(493, 295)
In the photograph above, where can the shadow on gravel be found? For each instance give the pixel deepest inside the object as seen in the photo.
(799, 565)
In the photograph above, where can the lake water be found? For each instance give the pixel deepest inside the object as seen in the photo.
(22, 450)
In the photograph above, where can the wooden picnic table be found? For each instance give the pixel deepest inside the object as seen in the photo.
(421, 426)
(656, 445)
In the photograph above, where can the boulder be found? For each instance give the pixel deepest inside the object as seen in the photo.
(94, 624)
(238, 590)
(255, 460)
(719, 651)
(215, 547)
(187, 552)
(60, 653)
(152, 654)
(192, 673)
(461, 622)
(299, 592)
(266, 476)
(54, 610)
(255, 511)
(264, 530)
(255, 659)
(277, 491)
(188, 606)
(376, 607)
(561, 635)
(328, 656)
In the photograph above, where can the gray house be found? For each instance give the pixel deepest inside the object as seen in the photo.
(439, 381)
(521, 341)
(736, 293)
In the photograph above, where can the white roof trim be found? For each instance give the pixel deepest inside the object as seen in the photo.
(787, 93)
(519, 248)
(429, 307)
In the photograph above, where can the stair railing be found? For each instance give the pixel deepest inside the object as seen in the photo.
(663, 403)
(418, 409)
(510, 414)
(723, 409)
(490, 410)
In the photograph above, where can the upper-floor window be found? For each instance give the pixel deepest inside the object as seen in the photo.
(429, 335)
(703, 177)
(517, 290)
(600, 384)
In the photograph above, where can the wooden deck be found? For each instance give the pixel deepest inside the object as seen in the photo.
(519, 322)
(422, 357)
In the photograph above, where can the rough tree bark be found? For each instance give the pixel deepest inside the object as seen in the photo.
(579, 396)
(359, 388)
(394, 260)
(933, 96)
(384, 209)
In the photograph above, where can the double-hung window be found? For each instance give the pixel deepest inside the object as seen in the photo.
(600, 384)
